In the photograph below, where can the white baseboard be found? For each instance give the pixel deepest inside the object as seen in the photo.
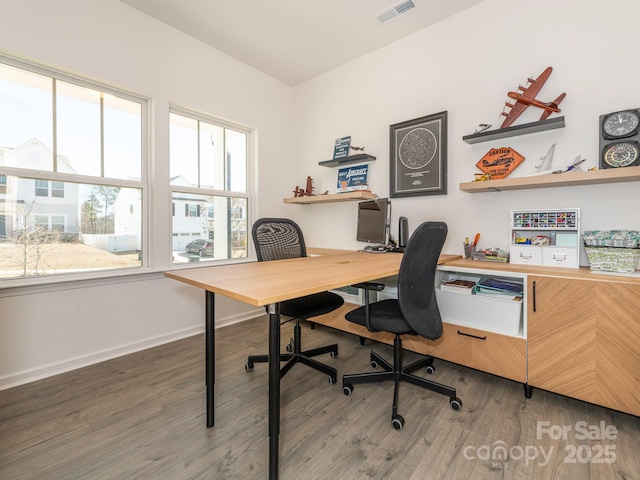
(49, 370)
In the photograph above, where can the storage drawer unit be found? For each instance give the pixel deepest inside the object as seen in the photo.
(551, 235)
(490, 352)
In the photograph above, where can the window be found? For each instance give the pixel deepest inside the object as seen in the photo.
(57, 189)
(209, 164)
(42, 188)
(71, 161)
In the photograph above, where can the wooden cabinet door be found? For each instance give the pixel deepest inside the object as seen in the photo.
(561, 336)
(584, 340)
(617, 309)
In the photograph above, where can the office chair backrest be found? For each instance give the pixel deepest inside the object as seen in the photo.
(416, 280)
(277, 239)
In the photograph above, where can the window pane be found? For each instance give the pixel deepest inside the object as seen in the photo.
(57, 189)
(183, 146)
(122, 138)
(92, 227)
(221, 222)
(41, 188)
(236, 143)
(26, 117)
(78, 129)
(211, 156)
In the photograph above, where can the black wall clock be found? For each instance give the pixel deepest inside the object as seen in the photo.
(620, 139)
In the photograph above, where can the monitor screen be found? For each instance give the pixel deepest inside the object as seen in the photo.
(373, 221)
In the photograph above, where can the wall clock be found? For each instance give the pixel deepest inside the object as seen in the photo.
(620, 139)
(621, 154)
(620, 124)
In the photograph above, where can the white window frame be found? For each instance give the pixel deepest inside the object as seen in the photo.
(249, 195)
(52, 176)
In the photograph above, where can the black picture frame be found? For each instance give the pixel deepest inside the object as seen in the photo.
(418, 156)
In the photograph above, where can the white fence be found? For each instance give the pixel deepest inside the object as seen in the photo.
(113, 243)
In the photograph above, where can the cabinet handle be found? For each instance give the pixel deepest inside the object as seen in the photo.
(472, 336)
(533, 294)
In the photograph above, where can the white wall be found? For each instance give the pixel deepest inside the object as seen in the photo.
(465, 65)
(55, 328)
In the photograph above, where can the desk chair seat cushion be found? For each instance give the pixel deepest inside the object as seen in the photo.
(385, 316)
(311, 305)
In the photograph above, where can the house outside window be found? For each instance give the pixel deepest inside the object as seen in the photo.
(210, 161)
(67, 164)
(42, 188)
(57, 189)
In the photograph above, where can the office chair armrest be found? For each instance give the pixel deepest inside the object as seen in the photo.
(367, 286)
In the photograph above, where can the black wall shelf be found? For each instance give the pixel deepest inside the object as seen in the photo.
(338, 162)
(516, 130)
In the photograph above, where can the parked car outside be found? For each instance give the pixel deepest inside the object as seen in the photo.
(201, 247)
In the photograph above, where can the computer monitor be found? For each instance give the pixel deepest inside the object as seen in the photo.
(373, 221)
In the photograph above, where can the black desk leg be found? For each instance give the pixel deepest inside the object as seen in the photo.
(274, 388)
(210, 357)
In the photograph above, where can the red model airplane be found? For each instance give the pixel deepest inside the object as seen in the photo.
(526, 96)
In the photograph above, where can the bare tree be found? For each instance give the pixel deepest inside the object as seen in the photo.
(29, 238)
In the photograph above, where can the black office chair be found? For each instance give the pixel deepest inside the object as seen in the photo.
(279, 239)
(415, 312)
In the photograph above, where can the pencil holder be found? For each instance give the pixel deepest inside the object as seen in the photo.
(469, 250)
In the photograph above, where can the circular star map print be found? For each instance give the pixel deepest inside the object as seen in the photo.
(417, 148)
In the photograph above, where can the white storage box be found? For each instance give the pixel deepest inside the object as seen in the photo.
(480, 311)
(560, 256)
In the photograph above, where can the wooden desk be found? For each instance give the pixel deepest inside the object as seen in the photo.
(268, 283)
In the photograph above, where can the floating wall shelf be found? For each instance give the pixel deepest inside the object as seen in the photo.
(516, 130)
(338, 162)
(336, 197)
(608, 175)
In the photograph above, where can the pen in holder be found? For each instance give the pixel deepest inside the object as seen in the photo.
(469, 250)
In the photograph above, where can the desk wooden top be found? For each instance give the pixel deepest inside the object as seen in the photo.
(262, 283)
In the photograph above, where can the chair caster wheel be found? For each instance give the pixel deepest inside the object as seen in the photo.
(289, 346)
(456, 404)
(397, 422)
(347, 389)
(334, 354)
(248, 367)
(374, 364)
(430, 369)
(333, 380)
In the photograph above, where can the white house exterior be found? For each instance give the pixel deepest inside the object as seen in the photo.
(51, 206)
(190, 216)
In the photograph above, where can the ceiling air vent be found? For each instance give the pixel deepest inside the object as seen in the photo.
(395, 10)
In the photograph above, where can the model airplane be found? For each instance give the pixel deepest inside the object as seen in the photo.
(483, 127)
(355, 148)
(547, 161)
(574, 166)
(526, 97)
(308, 191)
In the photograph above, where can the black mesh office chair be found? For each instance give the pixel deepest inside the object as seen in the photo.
(415, 312)
(279, 239)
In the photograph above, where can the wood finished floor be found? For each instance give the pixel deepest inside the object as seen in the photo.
(142, 416)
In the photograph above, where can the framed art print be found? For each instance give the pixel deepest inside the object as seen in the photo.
(418, 156)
